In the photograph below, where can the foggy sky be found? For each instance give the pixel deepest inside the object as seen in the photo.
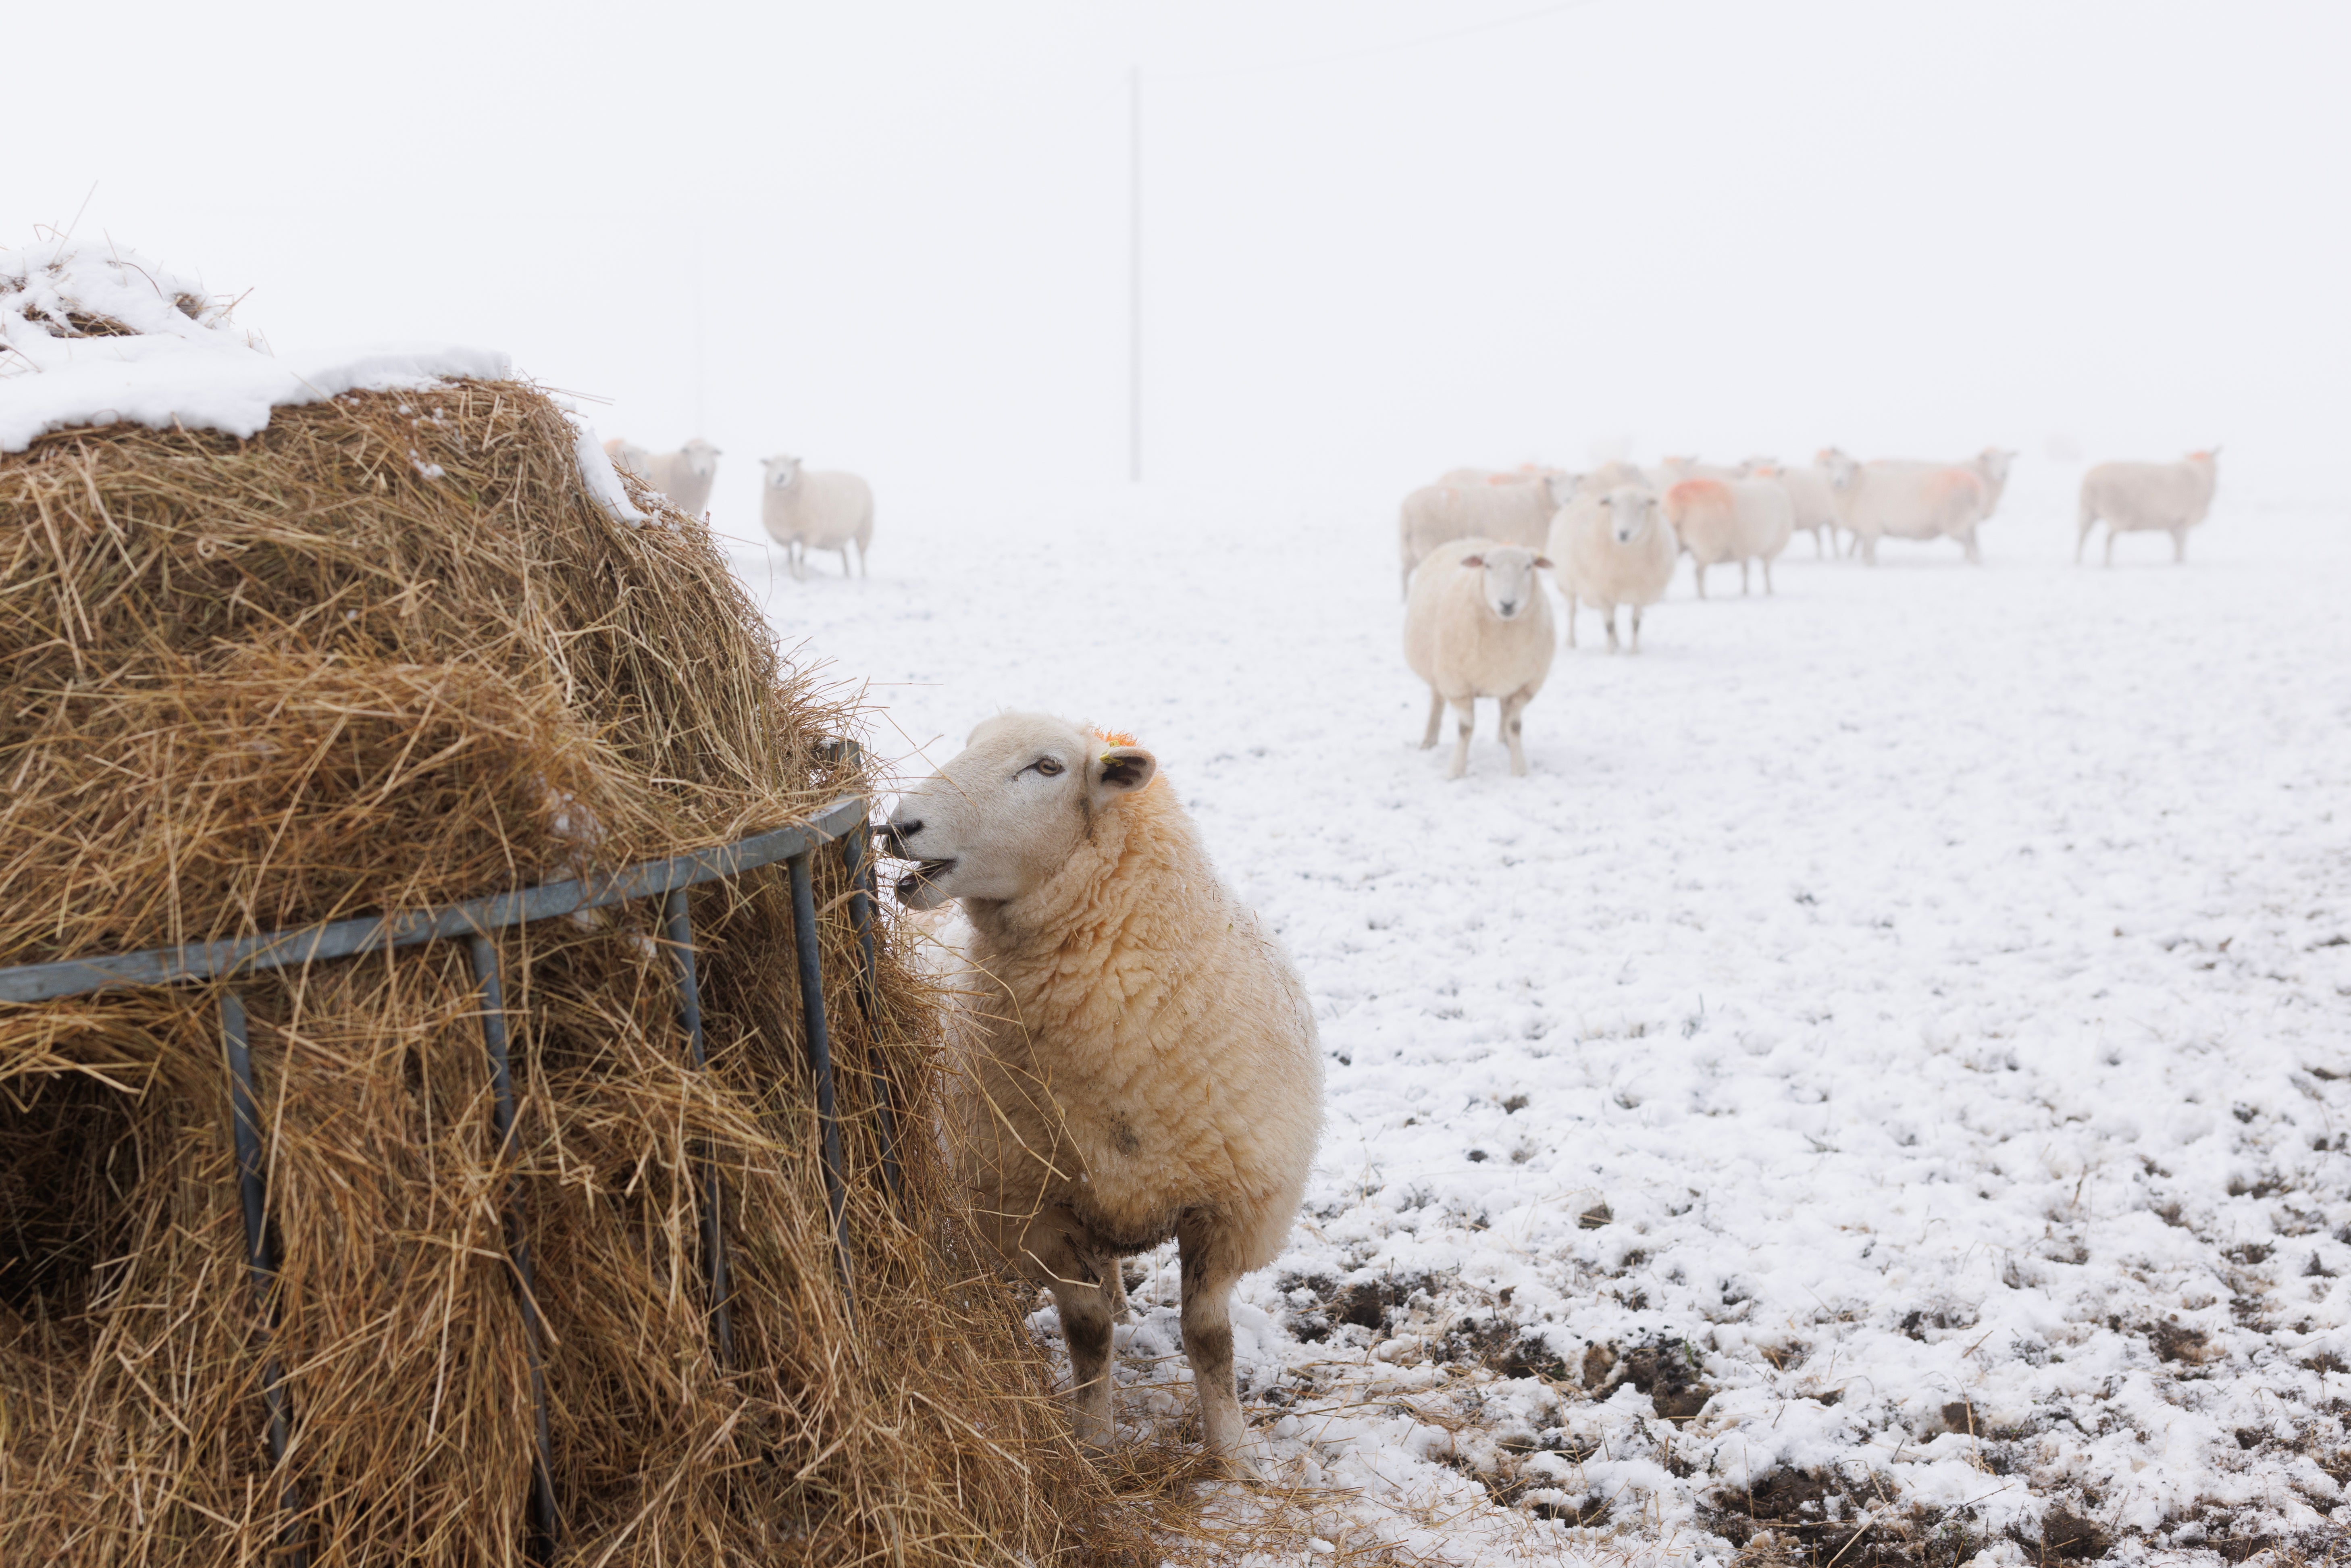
(895, 237)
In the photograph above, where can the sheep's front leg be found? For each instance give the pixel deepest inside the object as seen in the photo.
(1819, 553)
(1636, 628)
(2111, 531)
(1742, 577)
(1207, 1315)
(1700, 565)
(1612, 628)
(1571, 622)
(1975, 553)
(1513, 706)
(1766, 574)
(1074, 1273)
(2180, 547)
(1467, 708)
(1435, 717)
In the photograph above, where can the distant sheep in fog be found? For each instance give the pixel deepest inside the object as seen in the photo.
(1513, 513)
(684, 475)
(1907, 499)
(1478, 624)
(1613, 549)
(806, 510)
(1723, 520)
(1991, 466)
(1807, 493)
(2148, 497)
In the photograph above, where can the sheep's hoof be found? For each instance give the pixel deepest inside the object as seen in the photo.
(1240, 1465)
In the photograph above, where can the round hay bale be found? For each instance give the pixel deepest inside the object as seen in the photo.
(389, 653)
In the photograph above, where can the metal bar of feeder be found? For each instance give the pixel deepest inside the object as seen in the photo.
(856, 851)
(679, 928)
(546, 1524)
(857, 854)
(342, 938)
(260, 1262)
(819, 1059)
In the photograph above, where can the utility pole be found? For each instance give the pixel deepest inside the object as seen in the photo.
(1134, 274)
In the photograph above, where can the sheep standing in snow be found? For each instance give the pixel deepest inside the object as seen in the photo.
(2148, 497)
(1808, 492)
(1512, 512)
(626, 453)
(1477, 624)
(1723, 520)
(1991, 466)
(1908, 500)
(684, 475)
(805, 508)
(1143, 1063)
(1613, 549)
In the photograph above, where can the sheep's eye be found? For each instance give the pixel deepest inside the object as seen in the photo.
(1048, 767)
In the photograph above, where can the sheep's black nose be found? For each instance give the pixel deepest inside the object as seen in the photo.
(895, 837)
(1510, 607)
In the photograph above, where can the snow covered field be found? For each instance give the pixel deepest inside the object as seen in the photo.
(1884, 1074)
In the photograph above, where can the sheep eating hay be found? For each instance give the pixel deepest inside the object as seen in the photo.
(275, 662)
(1144, 1061)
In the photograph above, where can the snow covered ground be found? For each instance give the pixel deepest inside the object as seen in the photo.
(1886, 1073)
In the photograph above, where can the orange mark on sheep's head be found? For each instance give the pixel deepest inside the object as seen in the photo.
(1111, 737)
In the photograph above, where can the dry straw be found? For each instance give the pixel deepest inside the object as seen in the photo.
(388, 653)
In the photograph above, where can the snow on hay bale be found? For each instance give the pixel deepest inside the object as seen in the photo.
(369, 652)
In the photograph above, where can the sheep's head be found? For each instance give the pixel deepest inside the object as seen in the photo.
(1841, 469)
(1000, 819)
(1631, 512)
(701, 457)
(1511, 581)
(782, 473)
(1993, 463)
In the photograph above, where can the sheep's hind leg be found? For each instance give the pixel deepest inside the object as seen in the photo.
(1435, 717)
(1208, 1318)
(2180, 547)
(1742, 577)
(1467, 708)
(1571, 622)
(2111, 531)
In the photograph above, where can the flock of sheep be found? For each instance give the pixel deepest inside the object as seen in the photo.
(802, 508)
(1614, 536)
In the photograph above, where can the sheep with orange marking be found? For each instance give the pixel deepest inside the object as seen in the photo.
(1477, 624)
(1722, 520)
(1142, 1061)
(2149, 497)
(1905, 499)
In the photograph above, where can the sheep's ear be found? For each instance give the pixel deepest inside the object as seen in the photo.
(1122, 770)
(1477, 560)
(1544, 562)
